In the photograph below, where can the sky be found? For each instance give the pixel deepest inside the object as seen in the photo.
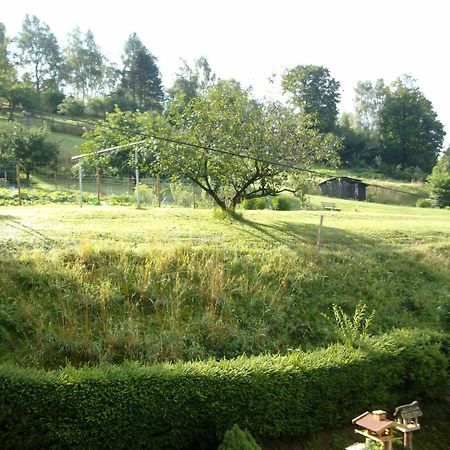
(252, 40)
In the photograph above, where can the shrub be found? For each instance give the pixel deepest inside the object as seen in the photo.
(281, 204)
(254, 203)
(425, 203)
(236, 439)
(178, 406)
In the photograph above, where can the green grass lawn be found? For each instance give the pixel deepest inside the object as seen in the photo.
(113, 283)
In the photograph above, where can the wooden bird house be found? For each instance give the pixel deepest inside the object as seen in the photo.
(375, 427)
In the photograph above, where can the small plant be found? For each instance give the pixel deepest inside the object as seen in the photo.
(226, 215)
(351, 330)
(237, 439)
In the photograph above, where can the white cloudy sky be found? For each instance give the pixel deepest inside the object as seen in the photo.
(250, 40)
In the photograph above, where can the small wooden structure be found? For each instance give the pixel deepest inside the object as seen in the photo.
(407, 421)
(375, 427)
(344, 187)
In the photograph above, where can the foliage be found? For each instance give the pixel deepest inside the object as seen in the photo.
(254, 203)
(228, 119)
(141, 77)
(237, 439)
(191, 404)
(315, 92)
(39, 53)
(85, 64)
(280, 204)
(439, 181)
(72, 107)
(35, 196)
(369, 99)
(351, 331)
(28, 147)
(410, 133)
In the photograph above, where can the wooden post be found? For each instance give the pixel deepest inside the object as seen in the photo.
(56, 181)
(407, 440)
(158, 190)
(97, 174)
(136, 160)
(80, 180)
(18, 183)
(6, 178)
(193, 195)
(319, 232)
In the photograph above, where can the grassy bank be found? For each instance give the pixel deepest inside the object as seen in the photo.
(110, 284)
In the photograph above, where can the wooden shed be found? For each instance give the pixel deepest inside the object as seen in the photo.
(344, 187)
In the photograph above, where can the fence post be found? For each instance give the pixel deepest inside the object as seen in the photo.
(80, 180)
(97, 174)
(136, 161)
(158, 190)
(319, 232)
(18, 183)
(6, 178)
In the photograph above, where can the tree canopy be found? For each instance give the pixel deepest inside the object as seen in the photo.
(226, 120)
(315, 92)
(410, 133)
(39, 53)
(439, 181)
(141, 77)
(28, 147)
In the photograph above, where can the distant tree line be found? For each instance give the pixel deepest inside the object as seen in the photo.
(393, 128)
(36, 73)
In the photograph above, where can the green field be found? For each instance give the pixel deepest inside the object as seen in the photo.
(106, 285)
(114, 283)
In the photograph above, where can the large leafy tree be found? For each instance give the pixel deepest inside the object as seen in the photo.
(141, 77)
(13, 92)
(28, 147)
(369, 99)
(85, 64)
(39, 54)
(439, 181)
(410, 133)
(315, 92)
(223, 121)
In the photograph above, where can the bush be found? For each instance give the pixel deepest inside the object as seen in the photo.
(254, 203)
(236, 439)
(425, 203)
(189, 405)
(281, 204)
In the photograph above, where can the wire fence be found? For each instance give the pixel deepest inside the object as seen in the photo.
(64, 187)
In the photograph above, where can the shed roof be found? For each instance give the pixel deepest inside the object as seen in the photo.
(352, 180)
(367, 420)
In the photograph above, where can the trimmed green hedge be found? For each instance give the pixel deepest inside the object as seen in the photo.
(191, 405)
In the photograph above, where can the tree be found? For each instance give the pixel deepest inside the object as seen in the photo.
(39, 53)
(315, 92)
(141, 78)
(369, 99)
(439, 181)
(85, 64)
(355, 150)
(189, 83)
(71, 107)
(229, 120)
(28, 147)
(410, 133)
